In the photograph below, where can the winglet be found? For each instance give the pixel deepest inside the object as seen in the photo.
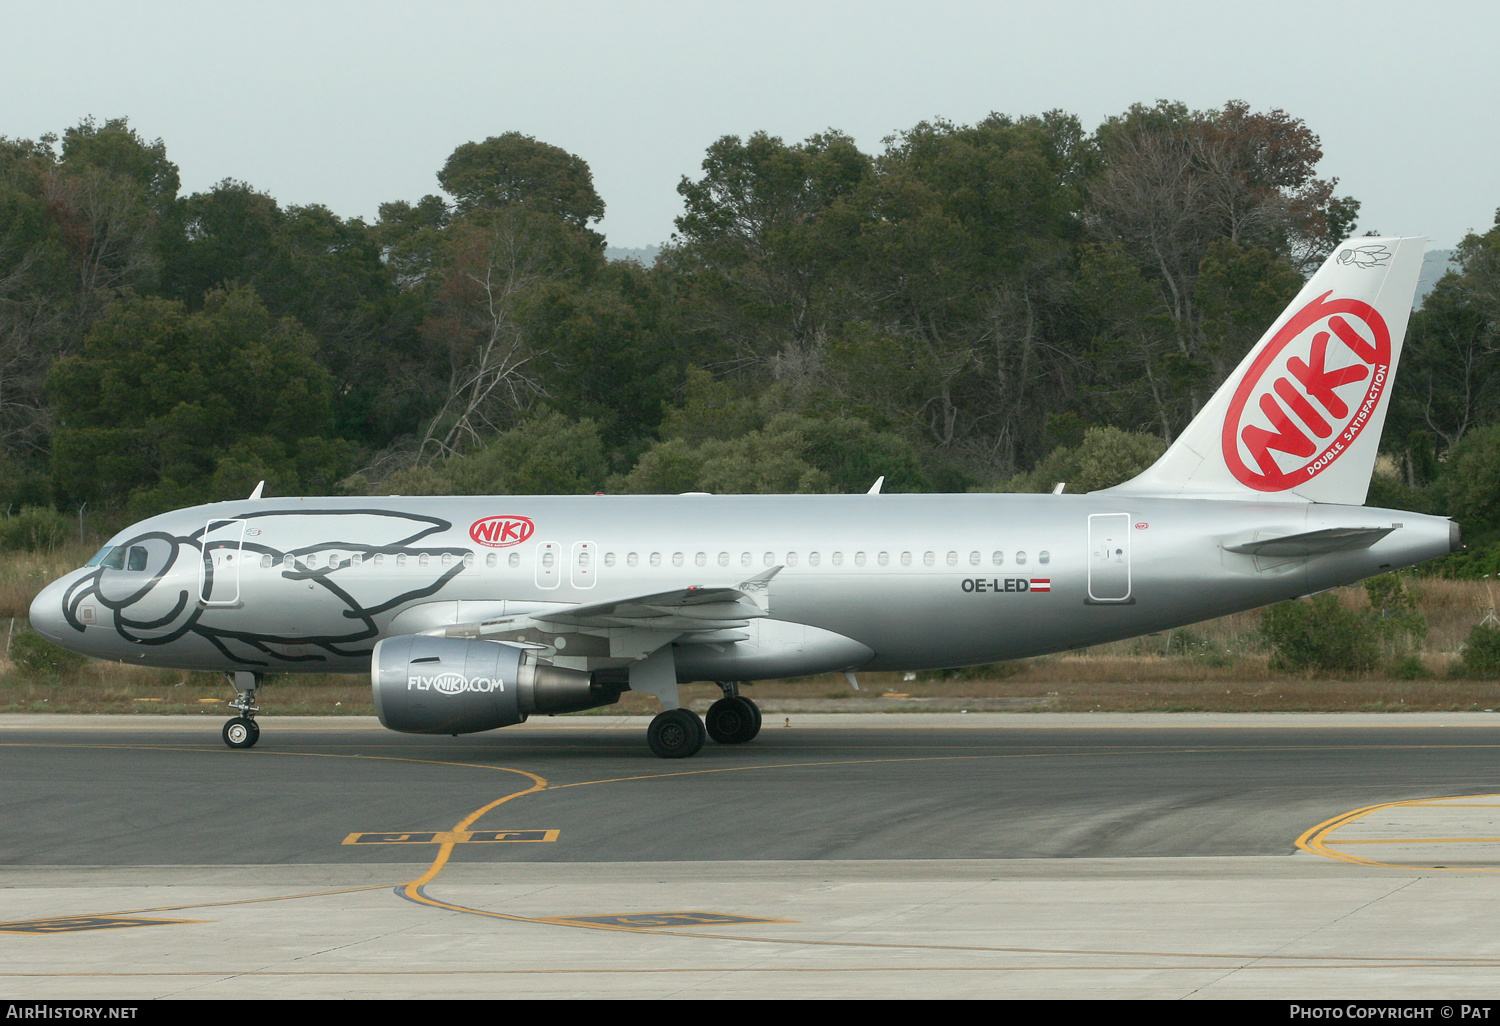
(256, 494)
(875, 488)
(757, 589)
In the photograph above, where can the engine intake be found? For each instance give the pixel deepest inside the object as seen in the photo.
(429, 685)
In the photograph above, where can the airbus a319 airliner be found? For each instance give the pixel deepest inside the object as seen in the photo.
(472, 613)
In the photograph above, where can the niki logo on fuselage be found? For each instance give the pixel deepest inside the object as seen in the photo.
(501, 532)
(1309, 394)
(157, 587)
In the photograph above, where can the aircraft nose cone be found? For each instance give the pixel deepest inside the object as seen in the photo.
(47, 611)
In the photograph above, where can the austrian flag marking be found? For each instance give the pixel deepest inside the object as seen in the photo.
(501, 532)
(1041, 584)
(1308, 394)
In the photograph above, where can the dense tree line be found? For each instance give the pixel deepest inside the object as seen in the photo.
(974, 306)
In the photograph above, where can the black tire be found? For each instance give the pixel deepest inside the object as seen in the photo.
(732, 721)
(755, 711)
(241, 732)
(675, 734)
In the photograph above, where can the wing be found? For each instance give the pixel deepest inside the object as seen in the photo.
(616, 632)
(685, 609)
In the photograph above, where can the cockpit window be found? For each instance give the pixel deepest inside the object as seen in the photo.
(111, 557)
(136, 560)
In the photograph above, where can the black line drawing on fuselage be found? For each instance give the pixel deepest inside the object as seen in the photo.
(160, 608)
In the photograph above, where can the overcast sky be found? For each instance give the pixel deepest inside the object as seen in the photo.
(353, 104)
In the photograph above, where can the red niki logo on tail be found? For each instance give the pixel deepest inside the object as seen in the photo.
(501, 532)
(1308, 395)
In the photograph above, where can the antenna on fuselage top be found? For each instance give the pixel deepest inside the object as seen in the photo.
(875, 488)
(256, 494)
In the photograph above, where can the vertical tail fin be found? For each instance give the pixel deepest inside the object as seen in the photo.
(1300, 417)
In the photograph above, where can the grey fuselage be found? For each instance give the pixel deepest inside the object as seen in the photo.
(877, 582)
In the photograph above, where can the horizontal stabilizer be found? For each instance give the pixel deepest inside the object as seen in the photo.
(1313, 543)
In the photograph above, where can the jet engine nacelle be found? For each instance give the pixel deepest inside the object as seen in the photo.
(430, 685)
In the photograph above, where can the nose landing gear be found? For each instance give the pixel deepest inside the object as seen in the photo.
(243, 731)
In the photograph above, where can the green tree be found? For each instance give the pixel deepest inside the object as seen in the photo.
(1182, 193)
(546, 454)
(791, 454)
(1106, 457)
(1471, 481)
(169, 407)
(511, 169)
(1450, 365)
(329, 274)
(1319, 634)
(758, 252)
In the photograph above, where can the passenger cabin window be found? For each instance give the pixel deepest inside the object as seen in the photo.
(1020, 558)
(632, 559)
(676, 559)
(265, 561)
(609, 559)
(423, 559)
(929, 558)
(859, 559)
(656, 559)
(400, 559)
(906, 559)
(953, 559)
(813, 559)
(838, 559)
(1044, 556)
(701, 559)
(515, 560)
(974, 558)
(998, 558)
(883, 559)
(791, 559)
(468, 559)
(492, 560)
(723, 559)
(745, 559)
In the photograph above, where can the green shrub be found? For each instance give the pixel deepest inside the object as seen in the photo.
(1481, 653)
(1409, 667)
(35, 529)
(1319, 634)
(35, 656)
(1400, 626)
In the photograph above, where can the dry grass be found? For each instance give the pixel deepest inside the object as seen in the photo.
(23, 574)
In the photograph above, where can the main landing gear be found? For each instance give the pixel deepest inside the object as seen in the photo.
(243, 731)
(679, 733)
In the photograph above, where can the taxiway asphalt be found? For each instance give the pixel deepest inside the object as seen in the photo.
(918, 855)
